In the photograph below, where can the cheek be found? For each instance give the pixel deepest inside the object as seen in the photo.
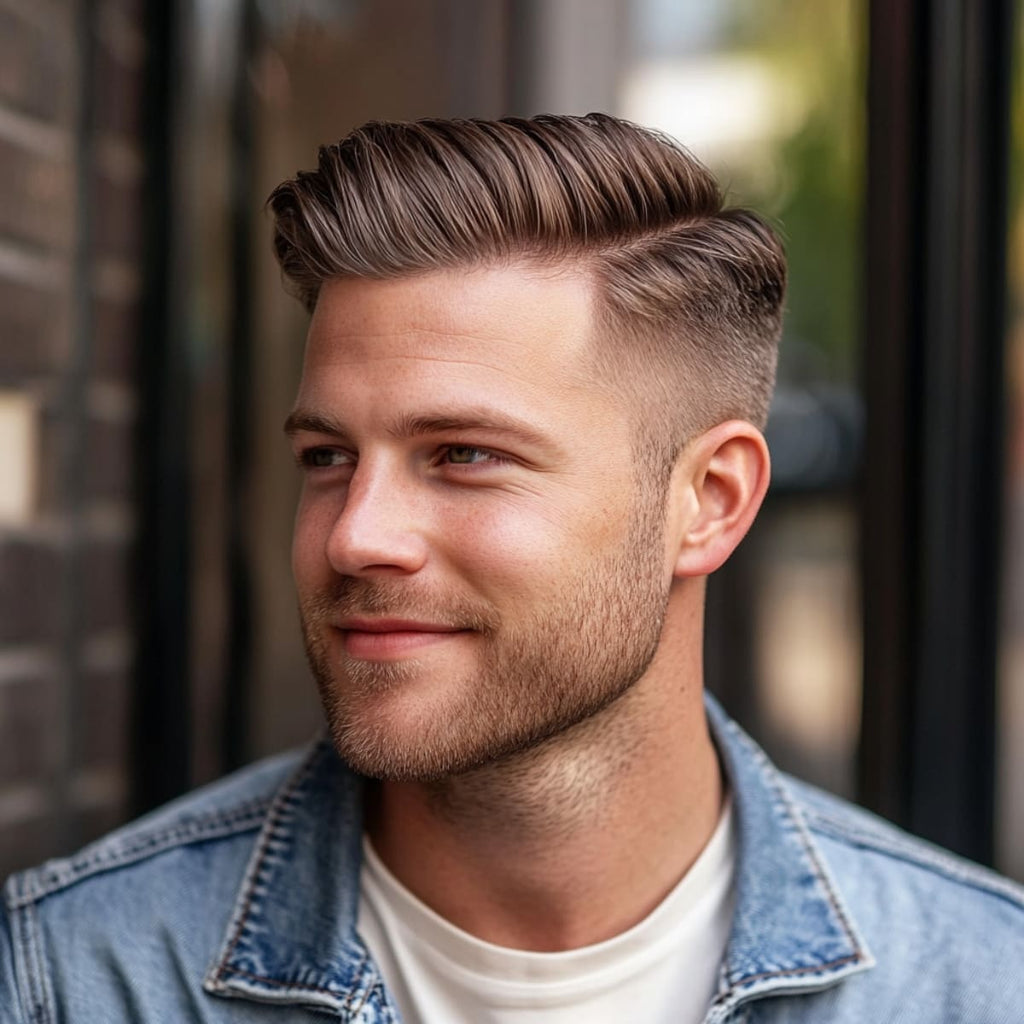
(498, 542)
(309, 544)
(516, 550)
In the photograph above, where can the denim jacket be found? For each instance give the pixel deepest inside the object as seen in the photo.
(238, 903)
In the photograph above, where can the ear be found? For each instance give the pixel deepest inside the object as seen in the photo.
(718, 484)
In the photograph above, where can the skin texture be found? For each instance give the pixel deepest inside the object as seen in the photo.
(502, 612)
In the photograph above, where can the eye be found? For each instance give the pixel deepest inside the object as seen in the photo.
(467, 455)
(323, 458)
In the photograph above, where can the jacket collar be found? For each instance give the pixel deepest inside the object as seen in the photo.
(791, 931)
(292, 937)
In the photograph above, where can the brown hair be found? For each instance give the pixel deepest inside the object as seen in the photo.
(690, 292)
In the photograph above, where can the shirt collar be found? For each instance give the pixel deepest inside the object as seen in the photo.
(292, 937)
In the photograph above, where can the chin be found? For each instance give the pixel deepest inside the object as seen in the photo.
(386, 727)
(398, 755)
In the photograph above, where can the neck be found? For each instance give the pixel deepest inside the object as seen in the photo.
(572, 841)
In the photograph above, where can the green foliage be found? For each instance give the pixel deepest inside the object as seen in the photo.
(817, 51)
(1016, 196)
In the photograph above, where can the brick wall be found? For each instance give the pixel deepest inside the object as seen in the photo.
(71, 172)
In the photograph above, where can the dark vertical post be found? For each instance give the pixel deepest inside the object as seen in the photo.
(937, 168)
(238, 648)
(74, 432)
(892, 295)
(161, 754)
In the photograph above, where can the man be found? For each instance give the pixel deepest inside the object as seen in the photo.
(539, 358)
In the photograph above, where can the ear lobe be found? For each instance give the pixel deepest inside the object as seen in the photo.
(722, 478)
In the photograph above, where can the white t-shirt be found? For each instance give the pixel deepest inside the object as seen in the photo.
(663, 969)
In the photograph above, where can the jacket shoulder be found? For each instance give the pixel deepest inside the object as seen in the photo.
(231, 806)
(947, 931)
(885, 847)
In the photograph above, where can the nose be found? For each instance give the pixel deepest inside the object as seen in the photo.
(378, 530)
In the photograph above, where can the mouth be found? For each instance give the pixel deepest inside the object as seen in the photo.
(392, 639)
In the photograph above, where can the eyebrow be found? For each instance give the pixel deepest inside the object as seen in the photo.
(306, 420)
(414, 425)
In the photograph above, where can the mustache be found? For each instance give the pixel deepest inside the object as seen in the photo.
(351, 597)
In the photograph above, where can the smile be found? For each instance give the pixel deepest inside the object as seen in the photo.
(386, 639)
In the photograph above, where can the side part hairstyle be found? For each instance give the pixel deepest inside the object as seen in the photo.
(689, 292)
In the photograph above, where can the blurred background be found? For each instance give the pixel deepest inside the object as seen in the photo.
(870, 631)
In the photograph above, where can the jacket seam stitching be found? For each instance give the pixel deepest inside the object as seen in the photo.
(737, 988)
(34, 889)
(934, 863)
(797, 971)
(277, 983)
(40, 1009)
(823, 879)
(347, 1006)
(278, 807)
(795, 816)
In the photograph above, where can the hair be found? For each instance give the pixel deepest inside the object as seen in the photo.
(690, 292)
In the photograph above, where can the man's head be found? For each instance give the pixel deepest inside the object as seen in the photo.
(519, 425)
(689, 293)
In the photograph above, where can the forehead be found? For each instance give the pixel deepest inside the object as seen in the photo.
(509, 329)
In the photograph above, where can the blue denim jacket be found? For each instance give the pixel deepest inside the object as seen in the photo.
(238, 903)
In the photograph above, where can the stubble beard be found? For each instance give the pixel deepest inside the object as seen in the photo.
(580, 650)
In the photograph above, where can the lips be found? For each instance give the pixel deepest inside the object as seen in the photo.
(390, 639)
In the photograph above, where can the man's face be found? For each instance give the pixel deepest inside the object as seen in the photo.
(478, 565)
